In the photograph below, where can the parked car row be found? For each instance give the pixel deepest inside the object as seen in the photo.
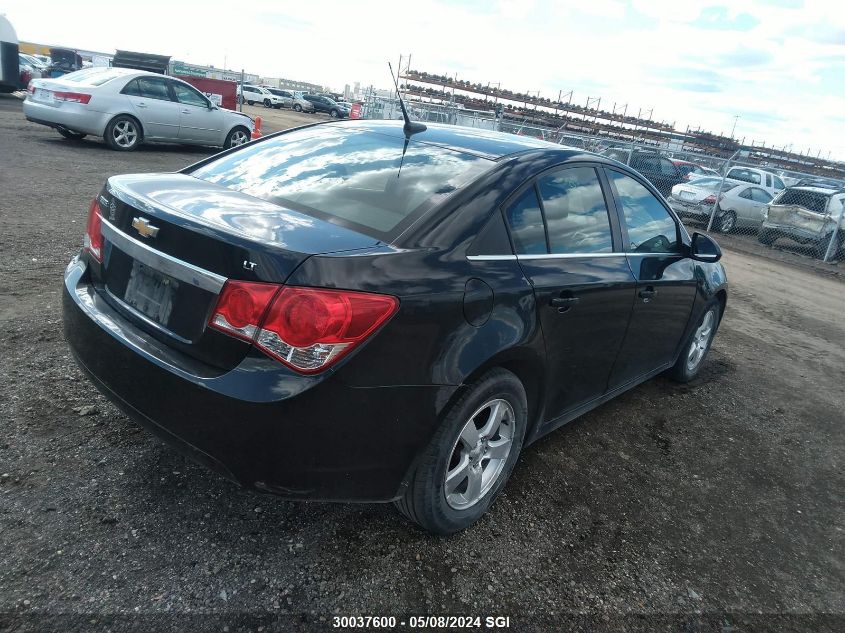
(277, 98)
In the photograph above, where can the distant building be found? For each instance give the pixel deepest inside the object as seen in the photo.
(291, 84)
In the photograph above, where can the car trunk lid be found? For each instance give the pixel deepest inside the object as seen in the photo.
(171, 242)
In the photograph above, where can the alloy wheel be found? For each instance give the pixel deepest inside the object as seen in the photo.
(125, 133)
(239, 137)
(701, 340)
(479, 454)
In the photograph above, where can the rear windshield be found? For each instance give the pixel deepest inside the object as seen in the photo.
(808, 199)
(347, 175)
(94, 76)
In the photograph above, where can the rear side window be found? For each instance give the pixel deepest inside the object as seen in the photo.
(132, 89)
(348, 175)
(153, 88)
(808, 199)
(667, 168)
(575, 211)
(650, 227)
(759, 195)
(745, 175)
(526, 222)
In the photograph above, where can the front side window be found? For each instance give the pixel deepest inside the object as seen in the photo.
(576, 213)
(778, 183)
(189, 96)
(351, 176)
(768, 180)
(526, 223)
(650, 227)
(746, 193)
(153, 88)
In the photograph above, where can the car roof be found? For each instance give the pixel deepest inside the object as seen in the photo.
(827, 191)
(484, 143)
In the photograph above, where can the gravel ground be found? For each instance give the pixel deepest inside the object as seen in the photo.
(716, 505)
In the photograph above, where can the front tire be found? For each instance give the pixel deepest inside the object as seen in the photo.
(766, 238)
(697, 344)
(470, 457)
(238, 136)
(334, 114)
(727, 222)
(123, 133)
(267, 103)
(297, 107)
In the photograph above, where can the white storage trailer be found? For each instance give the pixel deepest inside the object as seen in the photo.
(10, 75)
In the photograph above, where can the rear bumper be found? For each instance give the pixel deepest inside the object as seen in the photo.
(696, 211)
(259, 425)
(66, 115)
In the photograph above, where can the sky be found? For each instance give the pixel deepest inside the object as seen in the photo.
(777, 64)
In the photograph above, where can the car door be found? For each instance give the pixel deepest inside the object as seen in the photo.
(155, 108)
(759, 200)
(198, 122)
(665, 282)
(568, 244)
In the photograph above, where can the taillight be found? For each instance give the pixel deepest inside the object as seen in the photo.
(711, 199)
(307, 329)
(30, 88)
(72, 97)
(93, 242)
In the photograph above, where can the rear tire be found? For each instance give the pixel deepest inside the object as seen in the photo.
(334, 113)
(250, 102)
(297, 107)
(267, 103)
(123, 133)
(697, 344)
(70, 135)
(465, 466)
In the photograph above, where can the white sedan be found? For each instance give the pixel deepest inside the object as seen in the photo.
(738, 204)
(128, 107)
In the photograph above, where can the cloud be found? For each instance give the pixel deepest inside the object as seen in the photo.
(719, 18)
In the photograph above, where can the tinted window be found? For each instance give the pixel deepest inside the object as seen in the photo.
(808, 199)
(650, 227)
(348, 175)
(768, 180)
(744, 175)
(778, 183)
(758, 195)
(132, 89)
(746, 193)
(189, 96)
(576, 214)
(526, 222)
(153, 88)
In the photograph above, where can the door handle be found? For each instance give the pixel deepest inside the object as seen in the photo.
(563, 304)
(141, 104)
(647, 294)
(185, 111)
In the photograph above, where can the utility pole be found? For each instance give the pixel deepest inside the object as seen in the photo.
(733, 129)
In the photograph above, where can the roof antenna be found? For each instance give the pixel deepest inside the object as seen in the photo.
(410, 127)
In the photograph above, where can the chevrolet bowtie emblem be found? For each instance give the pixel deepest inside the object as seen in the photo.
(144, 228)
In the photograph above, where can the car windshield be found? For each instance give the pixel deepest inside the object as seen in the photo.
(810, 200)
(348, 175)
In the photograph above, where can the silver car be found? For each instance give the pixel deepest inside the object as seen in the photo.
(128, 107)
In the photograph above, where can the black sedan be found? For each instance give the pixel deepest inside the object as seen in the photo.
(327, 105)
(348, 311)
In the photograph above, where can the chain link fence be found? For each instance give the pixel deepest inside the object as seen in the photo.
(800, 213)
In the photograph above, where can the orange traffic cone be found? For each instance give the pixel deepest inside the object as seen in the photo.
(256, 132)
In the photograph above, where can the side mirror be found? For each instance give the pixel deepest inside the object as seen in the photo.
(704, 248)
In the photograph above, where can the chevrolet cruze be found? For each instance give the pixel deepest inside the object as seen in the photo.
(363, 311)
